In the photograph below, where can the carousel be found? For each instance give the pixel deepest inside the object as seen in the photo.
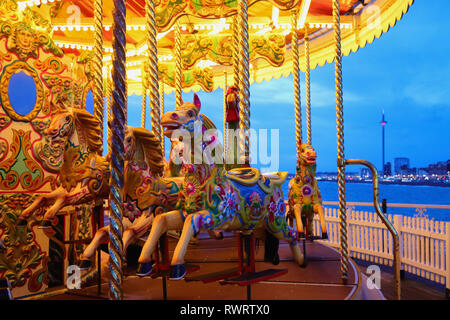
(130, 222)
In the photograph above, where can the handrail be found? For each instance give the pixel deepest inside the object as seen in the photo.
(384, 219)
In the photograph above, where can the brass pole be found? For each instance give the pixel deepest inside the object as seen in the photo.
(178, 66)
(236, 61)
(225, 116)
(244, 85)
(340, 143)
(109, 105)
(144, 105)
(99, 102)
(307, 87)
(153, 82)
(161, 95)
(119, 102)
(296, 76)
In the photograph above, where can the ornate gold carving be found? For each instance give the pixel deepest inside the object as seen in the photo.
(22, 253)
(8, 71)
(20, 167)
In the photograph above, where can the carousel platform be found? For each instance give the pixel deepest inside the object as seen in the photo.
(319, 280)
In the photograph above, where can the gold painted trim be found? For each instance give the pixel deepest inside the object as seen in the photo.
(8, 72)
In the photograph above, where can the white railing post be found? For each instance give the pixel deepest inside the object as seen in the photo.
(447, 258)
(398, 225)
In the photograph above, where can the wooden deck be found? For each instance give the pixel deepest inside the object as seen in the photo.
(319, 280)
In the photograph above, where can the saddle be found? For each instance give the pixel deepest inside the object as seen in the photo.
(251, 176)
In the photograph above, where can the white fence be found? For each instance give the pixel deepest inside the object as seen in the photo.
(424, 243)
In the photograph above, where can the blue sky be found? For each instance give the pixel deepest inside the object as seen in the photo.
(406, 72)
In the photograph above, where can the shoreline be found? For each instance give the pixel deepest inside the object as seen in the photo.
(405, 183)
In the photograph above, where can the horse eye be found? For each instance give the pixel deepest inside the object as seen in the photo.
(190, 113)
(67, 118)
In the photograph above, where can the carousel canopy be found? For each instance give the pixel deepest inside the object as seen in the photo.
(206, 28)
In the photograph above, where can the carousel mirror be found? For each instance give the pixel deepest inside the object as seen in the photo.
(21, 91)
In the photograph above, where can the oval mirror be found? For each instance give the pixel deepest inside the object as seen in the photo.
(22, 93)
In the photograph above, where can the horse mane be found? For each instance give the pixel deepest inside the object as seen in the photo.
(151, 147)
(91, 128)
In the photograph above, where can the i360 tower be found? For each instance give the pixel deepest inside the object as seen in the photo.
(383, 123)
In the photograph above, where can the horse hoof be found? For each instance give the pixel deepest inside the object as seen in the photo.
(144, 269)
(324, 235)
(303, 265)
(45, 224)
(177, 272)
(85, 264)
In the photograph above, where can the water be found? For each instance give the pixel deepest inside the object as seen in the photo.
(362, 192)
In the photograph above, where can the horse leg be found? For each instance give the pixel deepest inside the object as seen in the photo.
(54, 209)
(298, 219)
(282, 231)
(137, 229)
(100, 236)
(41, 201)
(323, 226)
(190, 228)
(163, 222)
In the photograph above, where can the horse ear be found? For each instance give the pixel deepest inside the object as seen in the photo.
(197, 102)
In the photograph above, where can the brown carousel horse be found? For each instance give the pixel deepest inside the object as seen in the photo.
(146, 193)
(213, 199)
(71, 149)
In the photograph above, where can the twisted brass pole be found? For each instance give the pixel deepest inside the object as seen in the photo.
(236, 62)
(178, 66)
(161, 94)
(340, 143)
(307, 87)
(99, 103)
(116, 197)
(144, 106)
(153, 82)
(244, 83)
(296, 76)
(225, 117)
(109, 104)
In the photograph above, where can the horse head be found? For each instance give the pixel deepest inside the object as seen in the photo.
(197, 132)
(185, 117)
(307, 155)
(67, 125)
(51, 150)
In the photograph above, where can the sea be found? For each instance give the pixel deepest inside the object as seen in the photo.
(406, 194)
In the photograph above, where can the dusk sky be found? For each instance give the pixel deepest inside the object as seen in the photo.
(406, 72)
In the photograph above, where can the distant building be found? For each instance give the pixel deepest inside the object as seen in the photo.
(439, 168)
(365, 173)
(401, 166)
(387, 170)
